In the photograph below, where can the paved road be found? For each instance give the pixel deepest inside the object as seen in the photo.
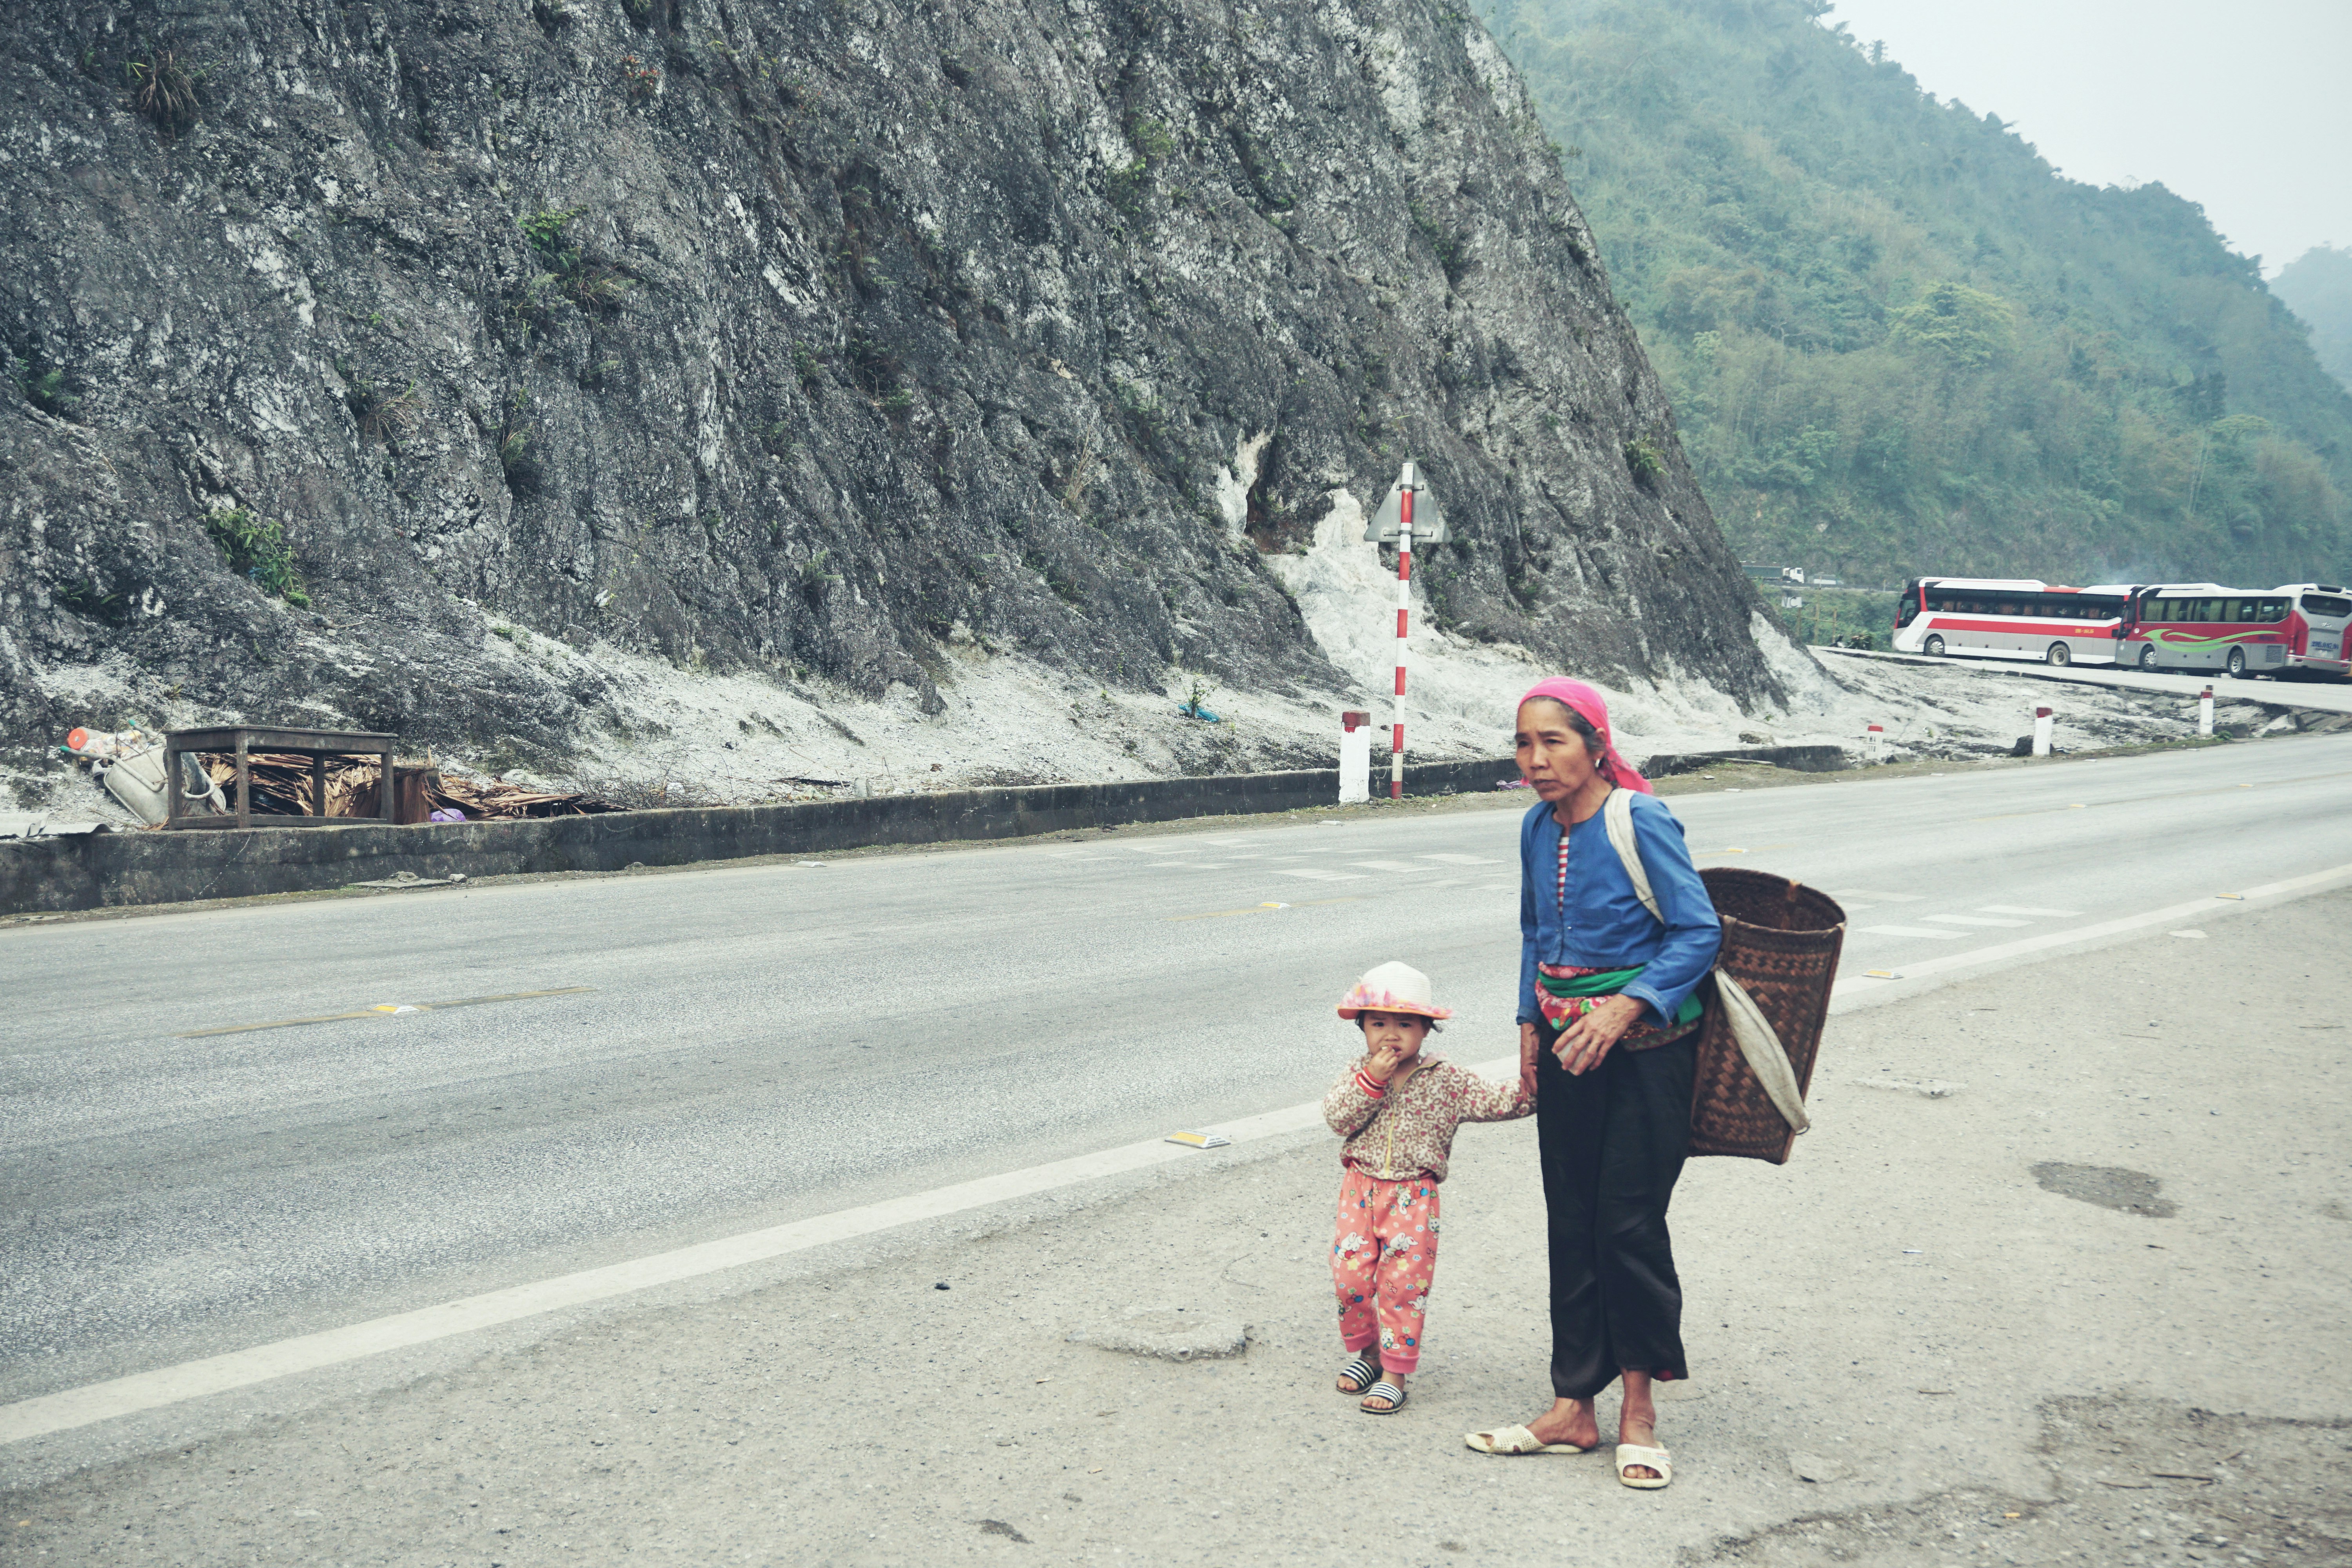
(759, 1043)
(2326, 696)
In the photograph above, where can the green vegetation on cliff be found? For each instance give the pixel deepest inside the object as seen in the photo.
(1899, 341)
(2317, 287)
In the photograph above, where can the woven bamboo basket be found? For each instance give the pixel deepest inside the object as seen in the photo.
(1780, 941)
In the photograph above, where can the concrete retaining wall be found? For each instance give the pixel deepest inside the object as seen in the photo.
(102, 870)
(1800, 759)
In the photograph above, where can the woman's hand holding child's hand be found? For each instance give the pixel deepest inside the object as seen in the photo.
(1587, 1039)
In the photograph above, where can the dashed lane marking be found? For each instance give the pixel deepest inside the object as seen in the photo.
(1976, 920)
(2026, 909)
(1907, 930)
(2175, 794)
(2253, 898)
(383, 1010)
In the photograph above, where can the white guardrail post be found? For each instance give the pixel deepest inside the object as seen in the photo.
(1355, 757)
(1875, 743)
(2042, 724)
(2205, 712)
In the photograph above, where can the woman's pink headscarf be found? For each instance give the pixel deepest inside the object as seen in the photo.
(1581, 700)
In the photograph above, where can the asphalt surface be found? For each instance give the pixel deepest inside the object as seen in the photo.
(756, 1044)
(2083, 1308)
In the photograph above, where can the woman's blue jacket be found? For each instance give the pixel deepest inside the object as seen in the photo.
(1604, 924)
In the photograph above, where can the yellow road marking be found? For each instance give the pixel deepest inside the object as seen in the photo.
(382, 1011)
(1261, 909)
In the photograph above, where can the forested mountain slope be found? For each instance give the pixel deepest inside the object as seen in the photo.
(1898, 341)
(2317, 287)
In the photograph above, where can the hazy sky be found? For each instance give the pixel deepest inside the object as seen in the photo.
(2243, 105)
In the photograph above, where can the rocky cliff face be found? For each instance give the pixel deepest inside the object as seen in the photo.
(828, 341)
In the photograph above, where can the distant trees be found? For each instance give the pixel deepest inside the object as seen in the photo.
(1966, 327)
(1897, 341)
(2317, 287)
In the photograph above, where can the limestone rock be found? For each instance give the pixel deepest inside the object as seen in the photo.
(792, 339)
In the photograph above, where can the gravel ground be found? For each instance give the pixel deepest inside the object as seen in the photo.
(2132, 1480)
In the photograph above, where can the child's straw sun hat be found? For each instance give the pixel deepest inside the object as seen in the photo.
(1393, 988)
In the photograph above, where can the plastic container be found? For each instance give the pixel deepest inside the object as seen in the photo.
(100, 744)
(137, 781)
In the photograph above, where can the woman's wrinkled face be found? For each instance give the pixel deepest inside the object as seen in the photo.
(1553, 758)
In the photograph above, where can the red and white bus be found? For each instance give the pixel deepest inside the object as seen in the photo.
(2295, 629)
(2011, 618)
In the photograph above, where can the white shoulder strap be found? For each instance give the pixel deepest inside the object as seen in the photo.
(1617, 817)
(1759, 1042)
(1759, 1047)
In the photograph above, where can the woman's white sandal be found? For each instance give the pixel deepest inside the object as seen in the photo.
(1516, 1440)
(1632, 1454)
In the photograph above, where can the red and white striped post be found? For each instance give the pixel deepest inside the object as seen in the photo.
(1404, 608)
(1408, 508)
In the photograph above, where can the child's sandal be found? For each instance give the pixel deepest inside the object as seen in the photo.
(1359, 1375)
(1384, 1389)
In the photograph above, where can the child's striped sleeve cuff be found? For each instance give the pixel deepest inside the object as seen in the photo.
(1371, 1085)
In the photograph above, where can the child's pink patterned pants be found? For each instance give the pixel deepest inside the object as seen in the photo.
(1383, 1257)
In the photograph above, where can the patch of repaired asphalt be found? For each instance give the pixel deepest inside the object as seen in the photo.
(2109, 1186)
(2132, 1481)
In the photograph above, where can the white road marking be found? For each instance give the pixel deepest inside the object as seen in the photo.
(1464, 860)
(1907, 930)
(1388, 866)
(1974, 920)
(1877, 897)
(1317, 876)
(1850, 992)
(74, 1407)
(2024, 910)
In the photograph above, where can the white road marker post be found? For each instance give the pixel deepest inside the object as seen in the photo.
(2205, 712)
(2043, 725)
(1877, 738)
(1355, 757)
(1410, 509)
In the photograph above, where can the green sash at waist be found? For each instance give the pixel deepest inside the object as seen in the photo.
(1608, 982)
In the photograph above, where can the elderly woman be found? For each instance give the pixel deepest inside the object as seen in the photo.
(1608, 1021)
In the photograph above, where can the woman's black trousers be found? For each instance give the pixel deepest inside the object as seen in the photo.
(1612, 1144)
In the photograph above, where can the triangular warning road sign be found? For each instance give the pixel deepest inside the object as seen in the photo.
(1428, 519)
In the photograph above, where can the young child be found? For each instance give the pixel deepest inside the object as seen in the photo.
(1398, 1110)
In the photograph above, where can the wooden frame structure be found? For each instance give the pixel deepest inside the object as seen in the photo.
(242, 741)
